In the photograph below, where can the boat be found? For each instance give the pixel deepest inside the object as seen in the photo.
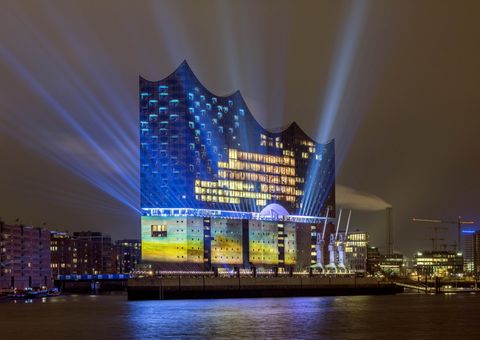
(33, 294)
(17, 294)
(29, 293)
(53, 292)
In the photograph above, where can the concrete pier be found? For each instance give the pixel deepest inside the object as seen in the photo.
(164, 288)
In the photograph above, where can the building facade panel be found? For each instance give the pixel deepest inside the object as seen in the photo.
(164, 239)
(263, 238)
(226, 242)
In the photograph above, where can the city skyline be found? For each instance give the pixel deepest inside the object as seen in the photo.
(383, 80)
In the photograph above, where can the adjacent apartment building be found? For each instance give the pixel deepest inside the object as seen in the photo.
(24, 257)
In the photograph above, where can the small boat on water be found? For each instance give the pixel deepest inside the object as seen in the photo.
(29, 293)
(34, 294)
(53, 292)
(17, 294)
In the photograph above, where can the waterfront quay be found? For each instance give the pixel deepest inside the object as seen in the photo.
(188, 287)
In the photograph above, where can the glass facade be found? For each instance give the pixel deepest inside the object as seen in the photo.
(203, 151)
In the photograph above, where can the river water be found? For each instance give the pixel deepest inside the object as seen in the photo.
(344, 317)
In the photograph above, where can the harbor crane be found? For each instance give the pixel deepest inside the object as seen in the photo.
(459, 222)
(331, 246)
(341, 245)
(435, 237)
(434, 242)
(320, 244)
(453, 246)
(336, 247)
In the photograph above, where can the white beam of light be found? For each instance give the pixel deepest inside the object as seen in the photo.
(341, 67)
(172, 31)
(82, 120)
(343, 59)
(95, 165)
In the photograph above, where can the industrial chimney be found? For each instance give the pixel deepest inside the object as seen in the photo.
(389, 217)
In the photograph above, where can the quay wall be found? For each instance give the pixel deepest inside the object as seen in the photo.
(161, 288)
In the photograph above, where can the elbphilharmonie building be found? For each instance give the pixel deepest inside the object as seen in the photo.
(219, 190)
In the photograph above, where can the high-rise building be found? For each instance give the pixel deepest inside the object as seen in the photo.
(217, 189)
(469, 238)
(127, 255)
(24, 257)
(471, 251)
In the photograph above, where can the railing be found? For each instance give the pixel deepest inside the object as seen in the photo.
(87, 277)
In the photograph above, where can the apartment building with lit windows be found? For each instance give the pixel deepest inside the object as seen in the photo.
(24, 257)
(128, 255)
(85, 252)
(219, 190)
(62, 253)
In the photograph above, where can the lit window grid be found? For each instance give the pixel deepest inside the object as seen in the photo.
(207, 190)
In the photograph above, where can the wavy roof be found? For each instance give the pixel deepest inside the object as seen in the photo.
(186, 69)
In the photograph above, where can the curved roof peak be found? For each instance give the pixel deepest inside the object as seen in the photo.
(184, 65)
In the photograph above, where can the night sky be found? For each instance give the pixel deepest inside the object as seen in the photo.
(396, 83)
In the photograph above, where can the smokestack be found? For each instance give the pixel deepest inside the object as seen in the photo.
(389, 216)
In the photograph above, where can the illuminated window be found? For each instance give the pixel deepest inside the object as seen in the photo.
(158, 230)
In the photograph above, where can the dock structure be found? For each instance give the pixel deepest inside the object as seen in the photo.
(165, 288)
(440, 286)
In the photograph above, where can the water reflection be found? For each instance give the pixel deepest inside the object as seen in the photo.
(233, 318)
(354, 317)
